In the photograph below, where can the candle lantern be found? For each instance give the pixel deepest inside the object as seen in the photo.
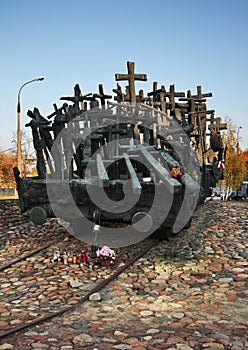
(74, 258)
(65, 258)
(83, 257)
(94, 246)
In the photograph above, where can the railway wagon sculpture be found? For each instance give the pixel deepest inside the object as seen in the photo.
(146, 161)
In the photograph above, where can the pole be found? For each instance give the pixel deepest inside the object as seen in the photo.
(19, 150)
(240, 127)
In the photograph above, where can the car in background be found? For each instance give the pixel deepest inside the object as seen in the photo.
(236, 196)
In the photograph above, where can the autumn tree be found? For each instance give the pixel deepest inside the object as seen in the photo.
(244, 157)
(7, 162)
(235, 168)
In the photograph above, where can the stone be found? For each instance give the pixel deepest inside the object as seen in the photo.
(120, 334)
(6, 346)
(225, 279)
(75, 284)
(152, 331)
(83, 340)
(146, 313)
(212, 345)
(178, 315)
(183, 347)
(95, 297)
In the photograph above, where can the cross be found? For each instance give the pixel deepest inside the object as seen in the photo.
(141, 97)
(217, 124)
(78, 97)
(59, 116)
(102, 96)
(159, 96)
(120, 96)
(191, 101)
(131, 77)
(37, 119)
(162, 97)
(171, 95)
(153, 93)
(200, 95)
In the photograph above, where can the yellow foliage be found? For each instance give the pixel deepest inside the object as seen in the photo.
(7, 163)
(235, 168)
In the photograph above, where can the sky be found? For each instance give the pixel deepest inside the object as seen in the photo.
(186, 43)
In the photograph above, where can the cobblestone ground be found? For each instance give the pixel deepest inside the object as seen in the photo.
(188, 293)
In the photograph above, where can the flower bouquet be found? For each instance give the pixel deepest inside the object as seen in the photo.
(105, 255)
(176, 172)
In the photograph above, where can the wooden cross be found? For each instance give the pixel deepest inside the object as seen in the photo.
(153, 93)
(120, 95)
(37, 119)
(102, 96)
(78, 97)
(141, 97)
(217, 124)
(131, 77)
(200, 96)
(191, 102)
(162, 98)
(192, 99)
(59, 116)
(171, 95)
(159, 96)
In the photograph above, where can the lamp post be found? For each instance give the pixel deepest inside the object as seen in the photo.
(240, 127)
(19, 152)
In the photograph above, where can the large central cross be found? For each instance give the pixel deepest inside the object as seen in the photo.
(131, 77)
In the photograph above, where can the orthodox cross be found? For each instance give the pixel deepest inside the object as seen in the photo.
(131, 77)
(102, 96)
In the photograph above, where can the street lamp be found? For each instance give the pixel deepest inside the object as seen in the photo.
(19, 152)
(240, 127)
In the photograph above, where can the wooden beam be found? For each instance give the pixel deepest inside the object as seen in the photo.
(162, 173)
(136, 186)
(102, 173)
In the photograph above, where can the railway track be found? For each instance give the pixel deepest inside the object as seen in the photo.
(125, 259)
(28, 301)
(17, 246)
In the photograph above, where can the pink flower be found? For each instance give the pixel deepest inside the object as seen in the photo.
(105, 253)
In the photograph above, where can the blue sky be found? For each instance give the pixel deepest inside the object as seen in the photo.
(186, 43)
